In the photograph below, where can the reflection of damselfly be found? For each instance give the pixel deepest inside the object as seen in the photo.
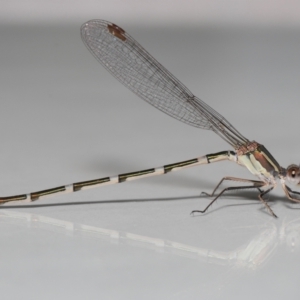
(251, 254)
(133, 66)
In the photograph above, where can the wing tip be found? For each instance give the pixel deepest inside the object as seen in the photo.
(112, 28)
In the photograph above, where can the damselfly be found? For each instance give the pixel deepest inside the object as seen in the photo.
(134, 67)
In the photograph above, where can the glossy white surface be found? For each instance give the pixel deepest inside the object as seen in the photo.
(63, 119)
(159, 11)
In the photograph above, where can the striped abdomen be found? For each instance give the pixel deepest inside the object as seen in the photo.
(83, 185)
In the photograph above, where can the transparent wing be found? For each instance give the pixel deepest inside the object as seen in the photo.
(133, 66)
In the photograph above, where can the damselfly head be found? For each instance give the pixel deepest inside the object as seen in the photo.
(293, 174)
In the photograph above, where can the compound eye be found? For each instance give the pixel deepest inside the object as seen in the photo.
(293, 173)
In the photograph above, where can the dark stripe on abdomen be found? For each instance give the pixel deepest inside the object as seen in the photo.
(13, 198)
(169, 168)
(125, 176)
(37, 195)
(79, 185)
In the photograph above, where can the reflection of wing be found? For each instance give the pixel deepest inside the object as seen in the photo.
(133, 66)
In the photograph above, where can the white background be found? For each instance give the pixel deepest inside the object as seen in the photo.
(64, 119)
(156, 11)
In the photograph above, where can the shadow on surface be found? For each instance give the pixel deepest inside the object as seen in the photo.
(248, 195)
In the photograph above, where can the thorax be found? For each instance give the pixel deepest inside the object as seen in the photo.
(261, 163)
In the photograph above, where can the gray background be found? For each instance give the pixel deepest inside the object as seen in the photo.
(64, 119)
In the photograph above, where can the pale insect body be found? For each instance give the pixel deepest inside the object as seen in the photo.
(134, 67)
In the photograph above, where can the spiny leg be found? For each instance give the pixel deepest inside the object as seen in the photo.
(256, 184)
(291, 191)
(260, 197)
(288, 190)
(223, 191)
